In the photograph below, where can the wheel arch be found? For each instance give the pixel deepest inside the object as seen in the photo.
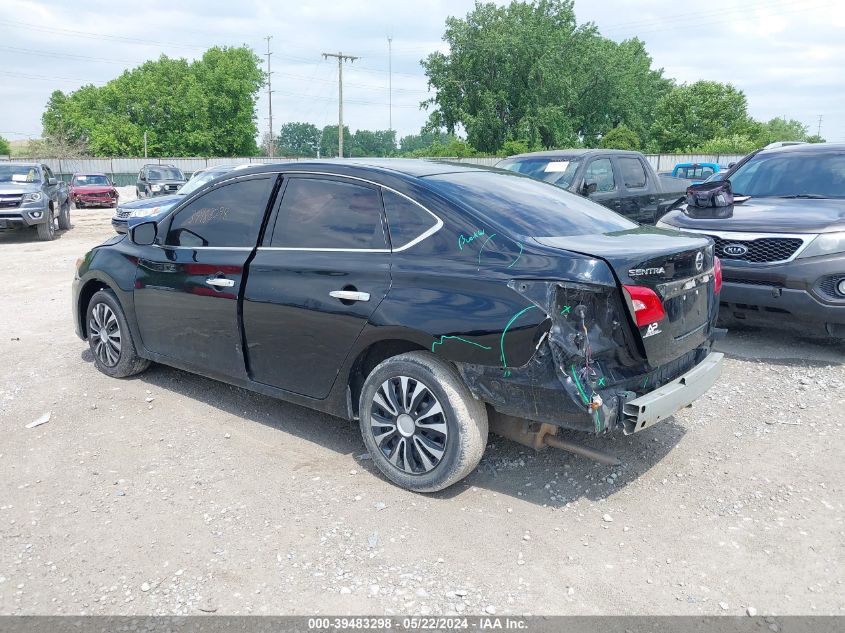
(88, 290)
(367, 360)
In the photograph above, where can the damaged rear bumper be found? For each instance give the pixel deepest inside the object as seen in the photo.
(640, 413)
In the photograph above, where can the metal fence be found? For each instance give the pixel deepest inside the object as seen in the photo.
(124, 171)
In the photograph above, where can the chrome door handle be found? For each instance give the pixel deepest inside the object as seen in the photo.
(220, 282)
(350, 295)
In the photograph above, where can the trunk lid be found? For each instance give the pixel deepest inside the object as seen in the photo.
(678, 269)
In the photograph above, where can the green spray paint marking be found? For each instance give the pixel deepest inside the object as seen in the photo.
(463, 239)
(645, 382)
(598, 422)
(457, 338)
(482, 247)
(601, 382)
(518, 256)
(578, 384)
(505, 331)
(566, 310)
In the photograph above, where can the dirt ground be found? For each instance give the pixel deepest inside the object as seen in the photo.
(169, 493)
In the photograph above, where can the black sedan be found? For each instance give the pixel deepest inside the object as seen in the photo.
(423, 299)
(783, 248)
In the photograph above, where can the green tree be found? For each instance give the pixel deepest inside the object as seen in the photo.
(511, 148)
(373, 143)
(815, 138)
(414, 142)
(454, 148)
(690, 115)
(328, 141)
(200, 108)
(298, 139)
(528, 71)
(5, 148)
(735, 144)
(620, 137)
(779, 129)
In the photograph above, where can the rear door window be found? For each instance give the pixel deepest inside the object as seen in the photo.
(317, 213)
(600, 171)
(406, 220)
(226, 217)
(633, 173)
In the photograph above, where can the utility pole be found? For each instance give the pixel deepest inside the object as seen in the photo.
(145, 143)
(340, 59)
(819, 130)
(390, 82)
(271, 147)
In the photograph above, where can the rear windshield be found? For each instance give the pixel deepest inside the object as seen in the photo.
(558, 170)
(694, 171)
(527, 207)
(791, 174)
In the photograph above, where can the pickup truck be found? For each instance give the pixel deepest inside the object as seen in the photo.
(31, 196)
(620, 180)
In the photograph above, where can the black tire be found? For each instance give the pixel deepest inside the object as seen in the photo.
(118, 361)
(64, 217)
(47, 230)
(437, 458)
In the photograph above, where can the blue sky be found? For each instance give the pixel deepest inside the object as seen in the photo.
(788, 56)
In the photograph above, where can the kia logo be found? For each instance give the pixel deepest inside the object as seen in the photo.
(737, 250)
(699, 261)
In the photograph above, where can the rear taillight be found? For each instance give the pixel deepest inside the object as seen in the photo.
(717, 275)
(648, 308)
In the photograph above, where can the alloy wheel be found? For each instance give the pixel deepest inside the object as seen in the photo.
(409, 425)
(104, 333)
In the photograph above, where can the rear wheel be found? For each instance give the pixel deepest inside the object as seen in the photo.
(64, 217)
(47, 230)
(420, 423)
(109, 337)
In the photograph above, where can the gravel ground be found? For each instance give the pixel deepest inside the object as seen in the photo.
(170, 493)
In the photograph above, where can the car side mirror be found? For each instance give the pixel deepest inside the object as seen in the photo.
(589, 187)
(143, 234)
(731, 165)
(52, 181)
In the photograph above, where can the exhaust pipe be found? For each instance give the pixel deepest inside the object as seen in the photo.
(539, 435)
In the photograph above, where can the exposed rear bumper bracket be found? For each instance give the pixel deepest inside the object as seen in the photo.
(642, 412)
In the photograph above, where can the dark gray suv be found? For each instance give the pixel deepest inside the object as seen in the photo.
(782, 244)
(159, 180)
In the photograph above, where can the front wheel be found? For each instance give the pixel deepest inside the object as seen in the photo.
(47, 230)
(64, 217)
(109, 337)
(420, 423)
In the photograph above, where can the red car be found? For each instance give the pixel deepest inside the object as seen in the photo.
(92, 190)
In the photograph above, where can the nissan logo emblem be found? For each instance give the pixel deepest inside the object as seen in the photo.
(699, 261)
(737, 250)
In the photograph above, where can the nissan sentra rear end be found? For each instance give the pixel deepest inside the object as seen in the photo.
(630, 314)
